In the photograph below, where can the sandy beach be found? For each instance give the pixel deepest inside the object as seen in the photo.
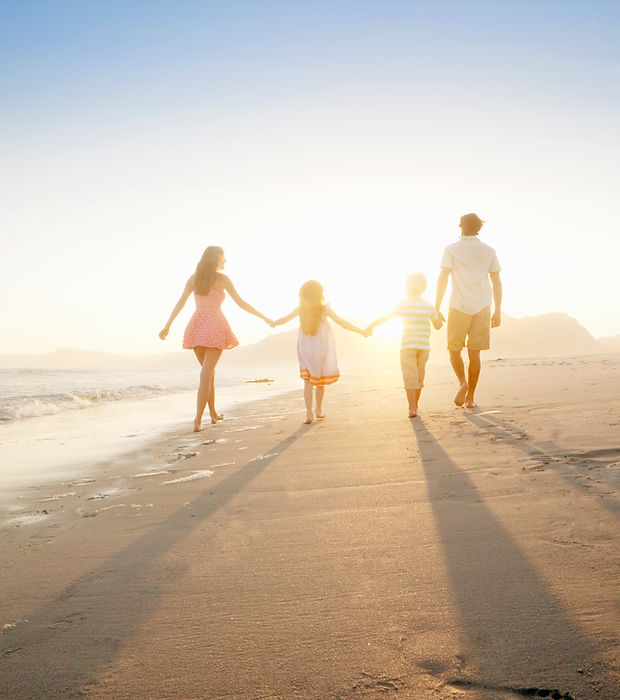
(463, 554)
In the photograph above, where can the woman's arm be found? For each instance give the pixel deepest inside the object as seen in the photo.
(189, 288)
(287, 318)
(241, 303)
(345, 324)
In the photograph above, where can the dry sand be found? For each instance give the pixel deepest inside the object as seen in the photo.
(463, 554)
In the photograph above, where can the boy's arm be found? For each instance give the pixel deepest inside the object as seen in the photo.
(380, 320)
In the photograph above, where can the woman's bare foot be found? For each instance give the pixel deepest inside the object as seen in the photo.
(470, 403)
(309, 419)
(197, 427)
(459, 399)
(320, 415)
(413, 414)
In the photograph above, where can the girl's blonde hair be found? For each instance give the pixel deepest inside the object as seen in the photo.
(206, 270)
(311, 307)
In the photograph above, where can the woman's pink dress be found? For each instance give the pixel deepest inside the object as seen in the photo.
(208, 326)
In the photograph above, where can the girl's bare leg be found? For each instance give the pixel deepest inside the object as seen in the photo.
(308, 401)
(320, 393)
(211, 357)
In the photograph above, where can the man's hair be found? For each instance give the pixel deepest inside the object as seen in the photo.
(471, 224)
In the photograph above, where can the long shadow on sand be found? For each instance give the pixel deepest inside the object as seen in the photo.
(516, 634)
(68, 640)
(552, 457)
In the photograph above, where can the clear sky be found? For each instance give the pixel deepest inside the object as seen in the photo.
(334, 140)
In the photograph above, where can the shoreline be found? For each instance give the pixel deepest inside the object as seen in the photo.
(468, 552)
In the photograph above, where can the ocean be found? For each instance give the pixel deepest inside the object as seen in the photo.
(59, 424)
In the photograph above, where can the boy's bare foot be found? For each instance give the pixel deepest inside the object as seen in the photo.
(320, 415)
(308, 420)
(459, 399)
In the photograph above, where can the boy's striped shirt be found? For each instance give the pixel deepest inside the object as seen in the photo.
(417, 315)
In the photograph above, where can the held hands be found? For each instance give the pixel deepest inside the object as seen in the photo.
(366, 332)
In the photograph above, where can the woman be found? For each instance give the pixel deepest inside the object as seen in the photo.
(208, 332)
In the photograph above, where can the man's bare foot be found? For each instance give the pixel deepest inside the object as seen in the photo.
(459, 399)
(320, 415)
(309, 419)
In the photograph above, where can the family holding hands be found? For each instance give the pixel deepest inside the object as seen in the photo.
(469, 263)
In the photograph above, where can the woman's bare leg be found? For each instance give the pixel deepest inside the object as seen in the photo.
(215, 416)
(211, 357)
(308, 401)
(320, 393)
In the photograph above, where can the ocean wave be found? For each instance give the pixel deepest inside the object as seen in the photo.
(21, 407)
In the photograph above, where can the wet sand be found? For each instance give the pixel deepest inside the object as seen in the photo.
(462, 554)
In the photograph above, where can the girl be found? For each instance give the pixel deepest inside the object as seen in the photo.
(316, 348)
(208, 332)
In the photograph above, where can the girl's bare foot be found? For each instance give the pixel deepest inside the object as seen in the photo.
(459, 399)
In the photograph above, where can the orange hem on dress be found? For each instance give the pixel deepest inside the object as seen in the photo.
(318, 381)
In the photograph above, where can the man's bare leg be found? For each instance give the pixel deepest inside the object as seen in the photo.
(459, 369)
(473, 373)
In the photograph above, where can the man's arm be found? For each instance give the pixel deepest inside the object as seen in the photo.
(496, 284)
(442, 285)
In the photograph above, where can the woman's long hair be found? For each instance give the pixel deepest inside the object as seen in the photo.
(206, 270)
(311, 307)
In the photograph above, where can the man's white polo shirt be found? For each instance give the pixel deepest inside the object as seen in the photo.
(470, 261)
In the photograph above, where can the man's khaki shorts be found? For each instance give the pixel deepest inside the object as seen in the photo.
(475, 328)
(413, 366)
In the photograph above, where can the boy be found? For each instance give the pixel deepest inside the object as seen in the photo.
(417, 315)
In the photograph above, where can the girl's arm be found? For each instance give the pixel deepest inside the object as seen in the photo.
(286, 319)
(189, 288)
(230, 288)
(345, 324)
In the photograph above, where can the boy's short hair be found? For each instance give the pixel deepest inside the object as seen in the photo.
(415, 283)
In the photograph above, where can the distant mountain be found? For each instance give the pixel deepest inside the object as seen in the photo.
(531, 336)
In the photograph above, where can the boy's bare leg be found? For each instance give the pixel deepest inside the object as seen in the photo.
(459, 369)
(473, 373)
(308, 401)
(412, 400)
(320, 393)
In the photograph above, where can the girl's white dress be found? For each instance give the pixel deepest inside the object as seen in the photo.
(317, 356)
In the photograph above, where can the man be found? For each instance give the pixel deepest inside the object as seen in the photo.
(471, 264)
